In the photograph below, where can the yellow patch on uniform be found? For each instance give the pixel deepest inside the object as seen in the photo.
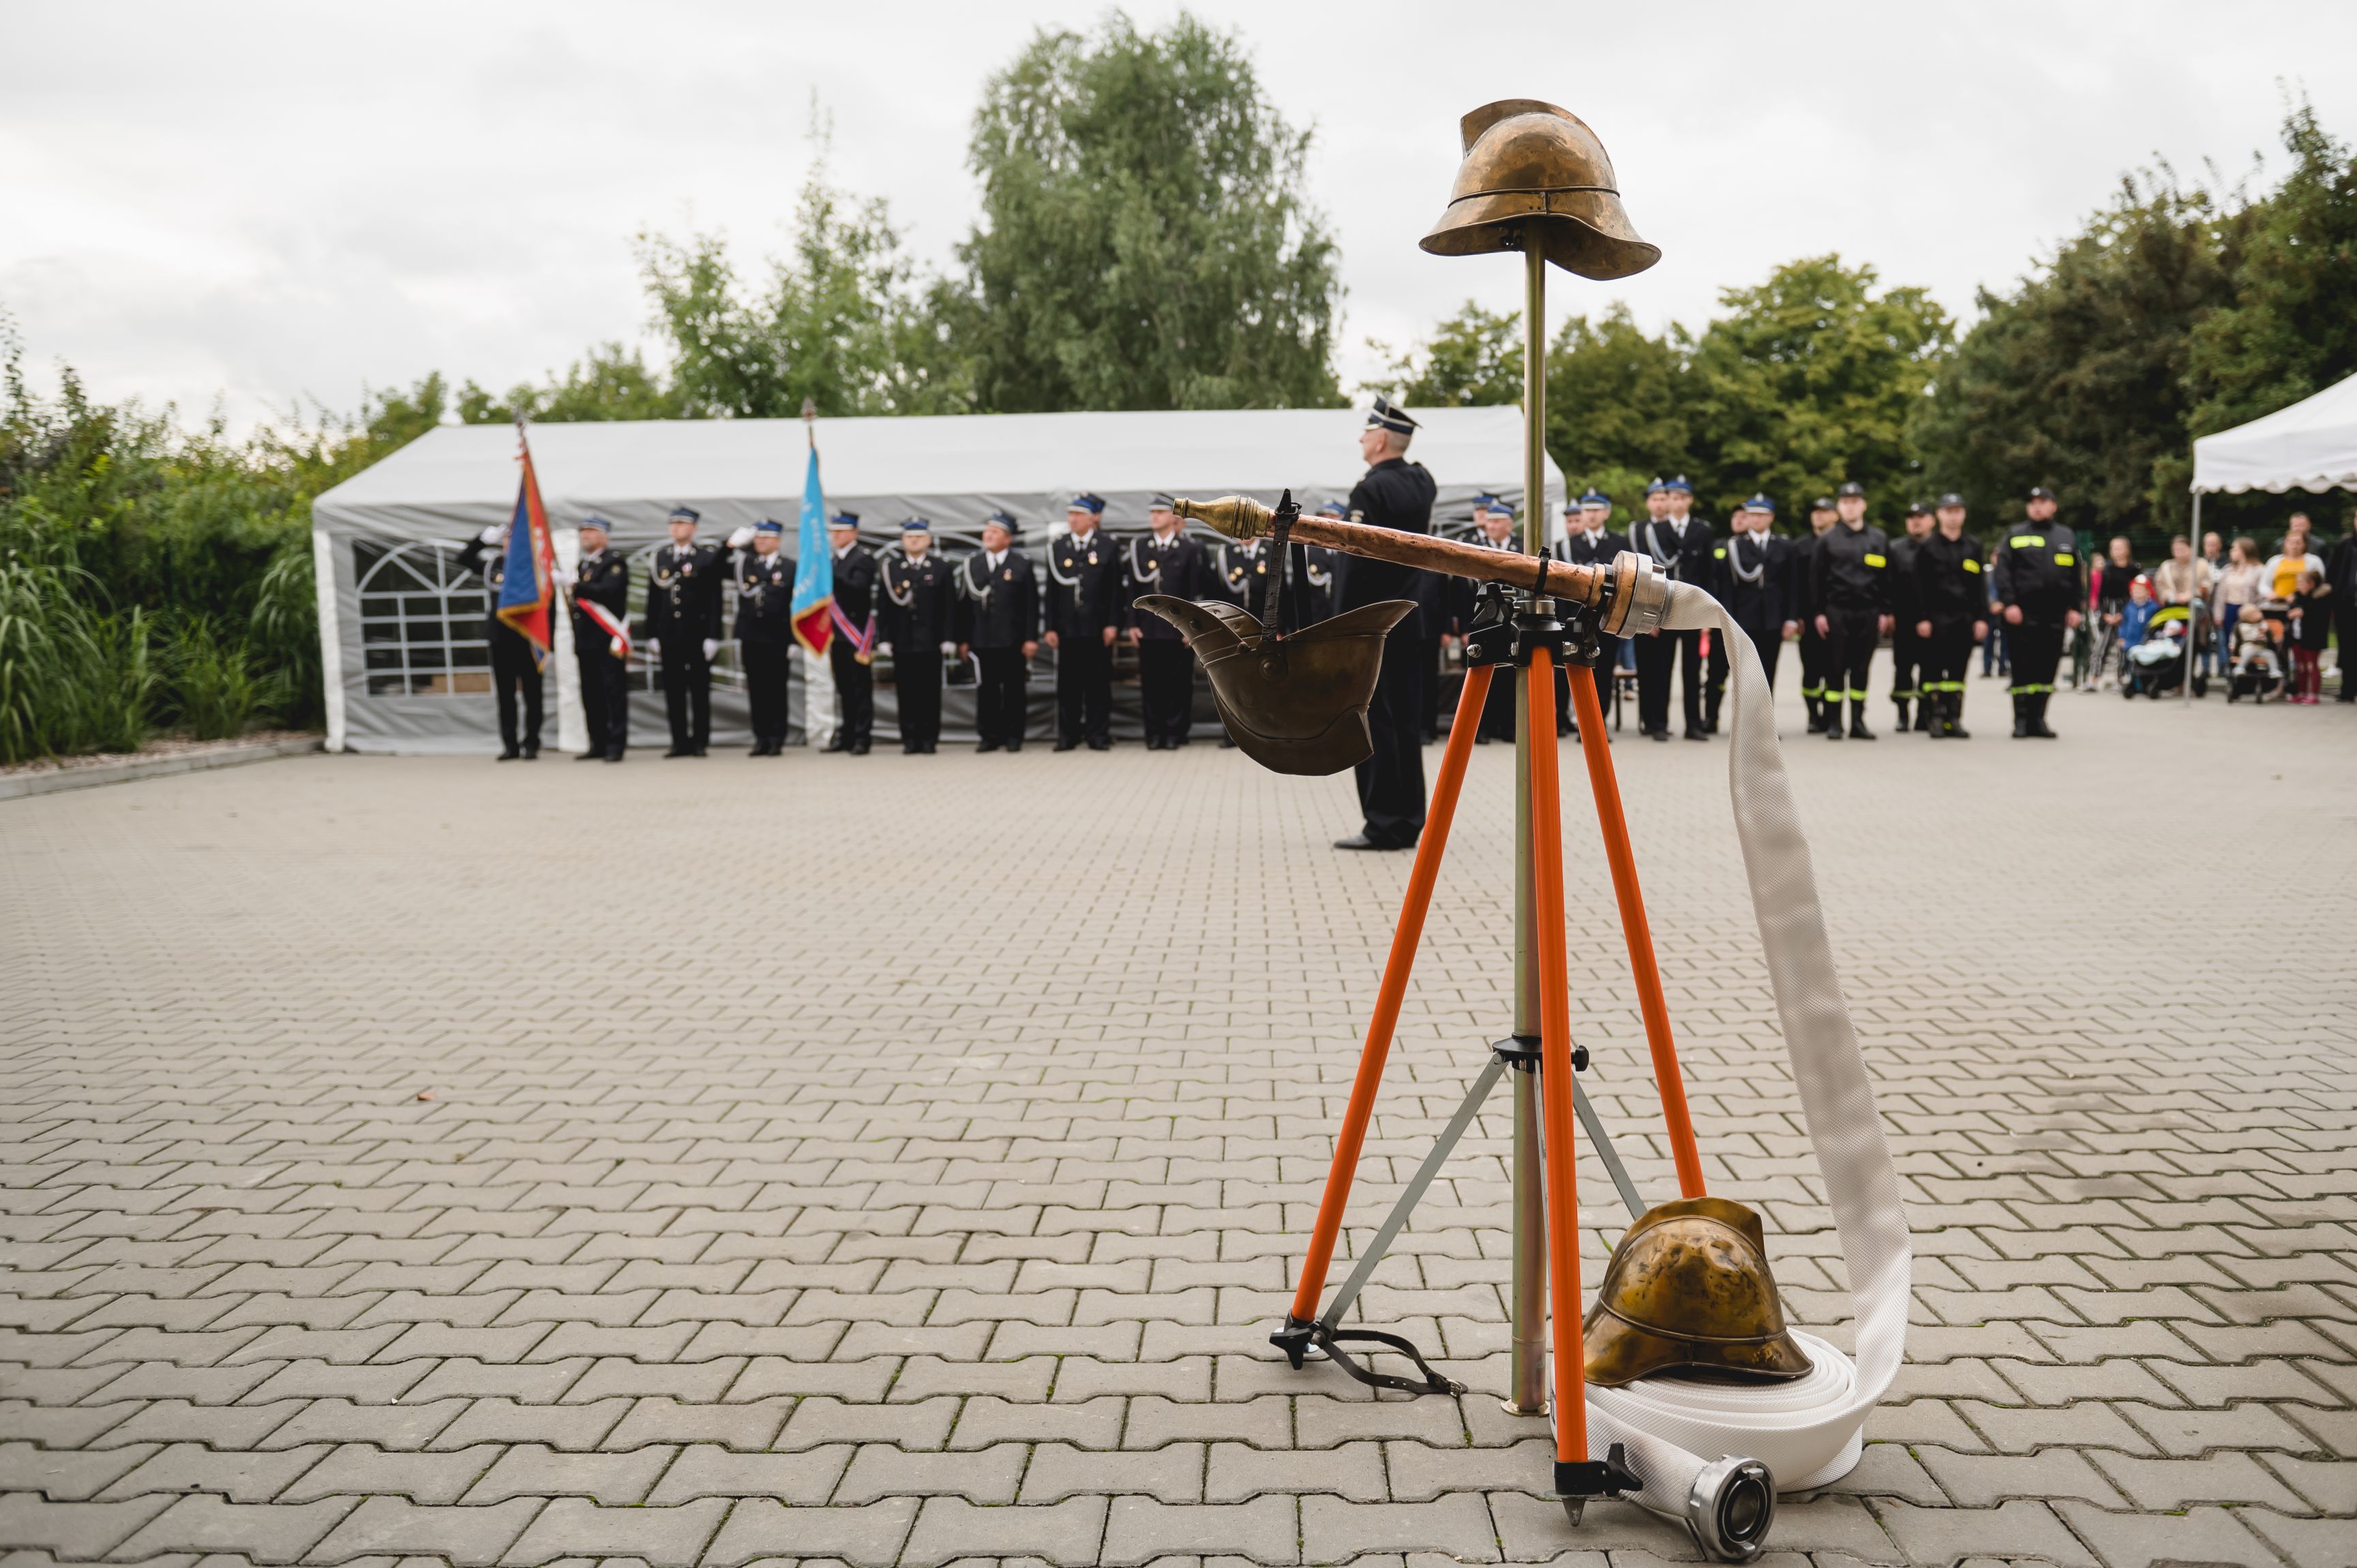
(2028, 541)
(1971, 565)
(2061, 559)
(1873, 559)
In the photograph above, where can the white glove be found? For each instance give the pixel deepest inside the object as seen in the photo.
(494, 533)
(949, 647)
(711, 647)
(741, 538)
(564, 578)
(885, 649)
(654, 647)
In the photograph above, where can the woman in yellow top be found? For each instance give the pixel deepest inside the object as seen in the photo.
(2280, 580)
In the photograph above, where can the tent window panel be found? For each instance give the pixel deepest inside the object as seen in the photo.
(421, 621)
(383, 658)
(476, 657)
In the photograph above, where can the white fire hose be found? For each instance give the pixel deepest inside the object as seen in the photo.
(1689, 1441)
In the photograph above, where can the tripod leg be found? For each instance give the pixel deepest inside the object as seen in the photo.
(1555, 1081)
(1639, 935)
(1404, 937)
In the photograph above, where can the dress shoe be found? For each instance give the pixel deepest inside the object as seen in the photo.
(1100, 746)
(1361, 841)
(510, 755)
(1698, 734)
(589, 756)
(679, 751)
(838, 744)
(615, 755)
(988, 745)
(1657, 735)
(1068, 746)
(859, 748)
(1013, 746)
(531, 751)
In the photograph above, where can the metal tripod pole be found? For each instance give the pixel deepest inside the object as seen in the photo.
(1528, 1374)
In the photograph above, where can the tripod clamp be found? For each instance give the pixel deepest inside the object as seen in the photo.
(1512, 624)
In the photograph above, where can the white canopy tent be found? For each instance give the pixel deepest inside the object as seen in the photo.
(401, 626)
(2311, 445)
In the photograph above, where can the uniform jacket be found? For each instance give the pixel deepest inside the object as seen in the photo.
(1319, 568)
(1757, 583)
(1849, 572)
(1901, 581)
(1804, 591)
(855, 584)
(683, 592)
(601, 579)
(2037, 567)
(1949, 584)
(918, 607)
(1683, 556)
(1575, 547)
(1000, 608)
(1395, 493)
(492, 561)
(1084, 587)
(765, 596)
(1178, 568)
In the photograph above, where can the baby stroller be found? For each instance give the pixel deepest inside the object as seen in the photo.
(2257, 670)
(2157, 663)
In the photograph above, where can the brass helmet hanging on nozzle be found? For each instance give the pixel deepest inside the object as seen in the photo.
(1532, 167)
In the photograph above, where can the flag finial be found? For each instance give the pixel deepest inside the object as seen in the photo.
(810, 420)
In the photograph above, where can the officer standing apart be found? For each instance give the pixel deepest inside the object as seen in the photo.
(1756, 584)
(2035, 575)
(1165, 562)
(1587, 540)
(851, 652)
(998, 619)
(1823, 515)
(1907, 653)
(600, 576)
(1680, 544)
(764, 577)
(515, 662)
(1847, 584)
(1084, 615)
(1951, 606)
(684, 630)
(1398, 494)
(917, 622)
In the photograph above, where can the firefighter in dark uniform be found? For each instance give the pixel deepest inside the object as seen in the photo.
(1681, 545)
(515, 662)
(1906, 651)
(998, 621)
(1756, 584)
(1164, 561)
(601, 577)
(684, 629)
(1084, 615)
(1823, 515)
(1850, 583)
(1951, 601)
(1398, 494)
(1434, 598)
(850, 653)
(2040, 585)
(764, 575)
(1319, 566)
(1589, 540)
(917, 623)
(1494, 529)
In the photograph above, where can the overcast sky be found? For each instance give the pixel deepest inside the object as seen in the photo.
(262, 204)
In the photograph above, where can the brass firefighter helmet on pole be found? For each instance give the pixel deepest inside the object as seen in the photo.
(1531, 167)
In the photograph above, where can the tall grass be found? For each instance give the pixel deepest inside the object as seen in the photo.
(72, 677)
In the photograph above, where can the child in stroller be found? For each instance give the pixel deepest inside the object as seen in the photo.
(2257, 670)
(2157, 662)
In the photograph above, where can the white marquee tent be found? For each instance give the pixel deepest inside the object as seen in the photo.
(401, 626)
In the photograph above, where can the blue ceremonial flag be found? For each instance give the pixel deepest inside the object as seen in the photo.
(813, 601)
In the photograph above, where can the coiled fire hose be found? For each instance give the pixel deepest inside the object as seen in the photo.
(1681, 1434)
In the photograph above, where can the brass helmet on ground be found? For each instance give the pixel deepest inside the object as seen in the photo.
(1531, 167)
(1688, 1289)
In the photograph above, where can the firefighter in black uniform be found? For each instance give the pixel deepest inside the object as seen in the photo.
(1493, 528)
(850, 653)
(1084, 616)
(1394, 493)
(1757, 585)
(601, 577)
(998, 621)
(1823, 515)
(515, 662)
(917, 623)
(1319, 569)
(2037, 576)
(1434, 600)
(1680, 544)
(1587, 540)
(1907, 653)
(1848, 583)
(1951, 601)
(764, 575)
(1164, 561)
(684, 629)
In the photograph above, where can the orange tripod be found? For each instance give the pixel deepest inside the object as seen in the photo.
(1546, 1195)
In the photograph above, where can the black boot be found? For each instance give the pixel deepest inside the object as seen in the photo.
(1955, 717)
(2038, 716)
(1904, 715)
(2021, 730)
(1857, 730)
(1816, 714)
(1926, 719)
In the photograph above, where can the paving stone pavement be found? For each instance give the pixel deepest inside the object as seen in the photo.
(901, 1160)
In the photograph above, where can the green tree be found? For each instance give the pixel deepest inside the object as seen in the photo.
(2077, 379)
(1616, 405)
(608, 382)
(845, 321)
(1811, 378)
(1473, 359)
(1146, 238)
(2291, 330)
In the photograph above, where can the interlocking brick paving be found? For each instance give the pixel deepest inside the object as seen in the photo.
(901, 1160)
